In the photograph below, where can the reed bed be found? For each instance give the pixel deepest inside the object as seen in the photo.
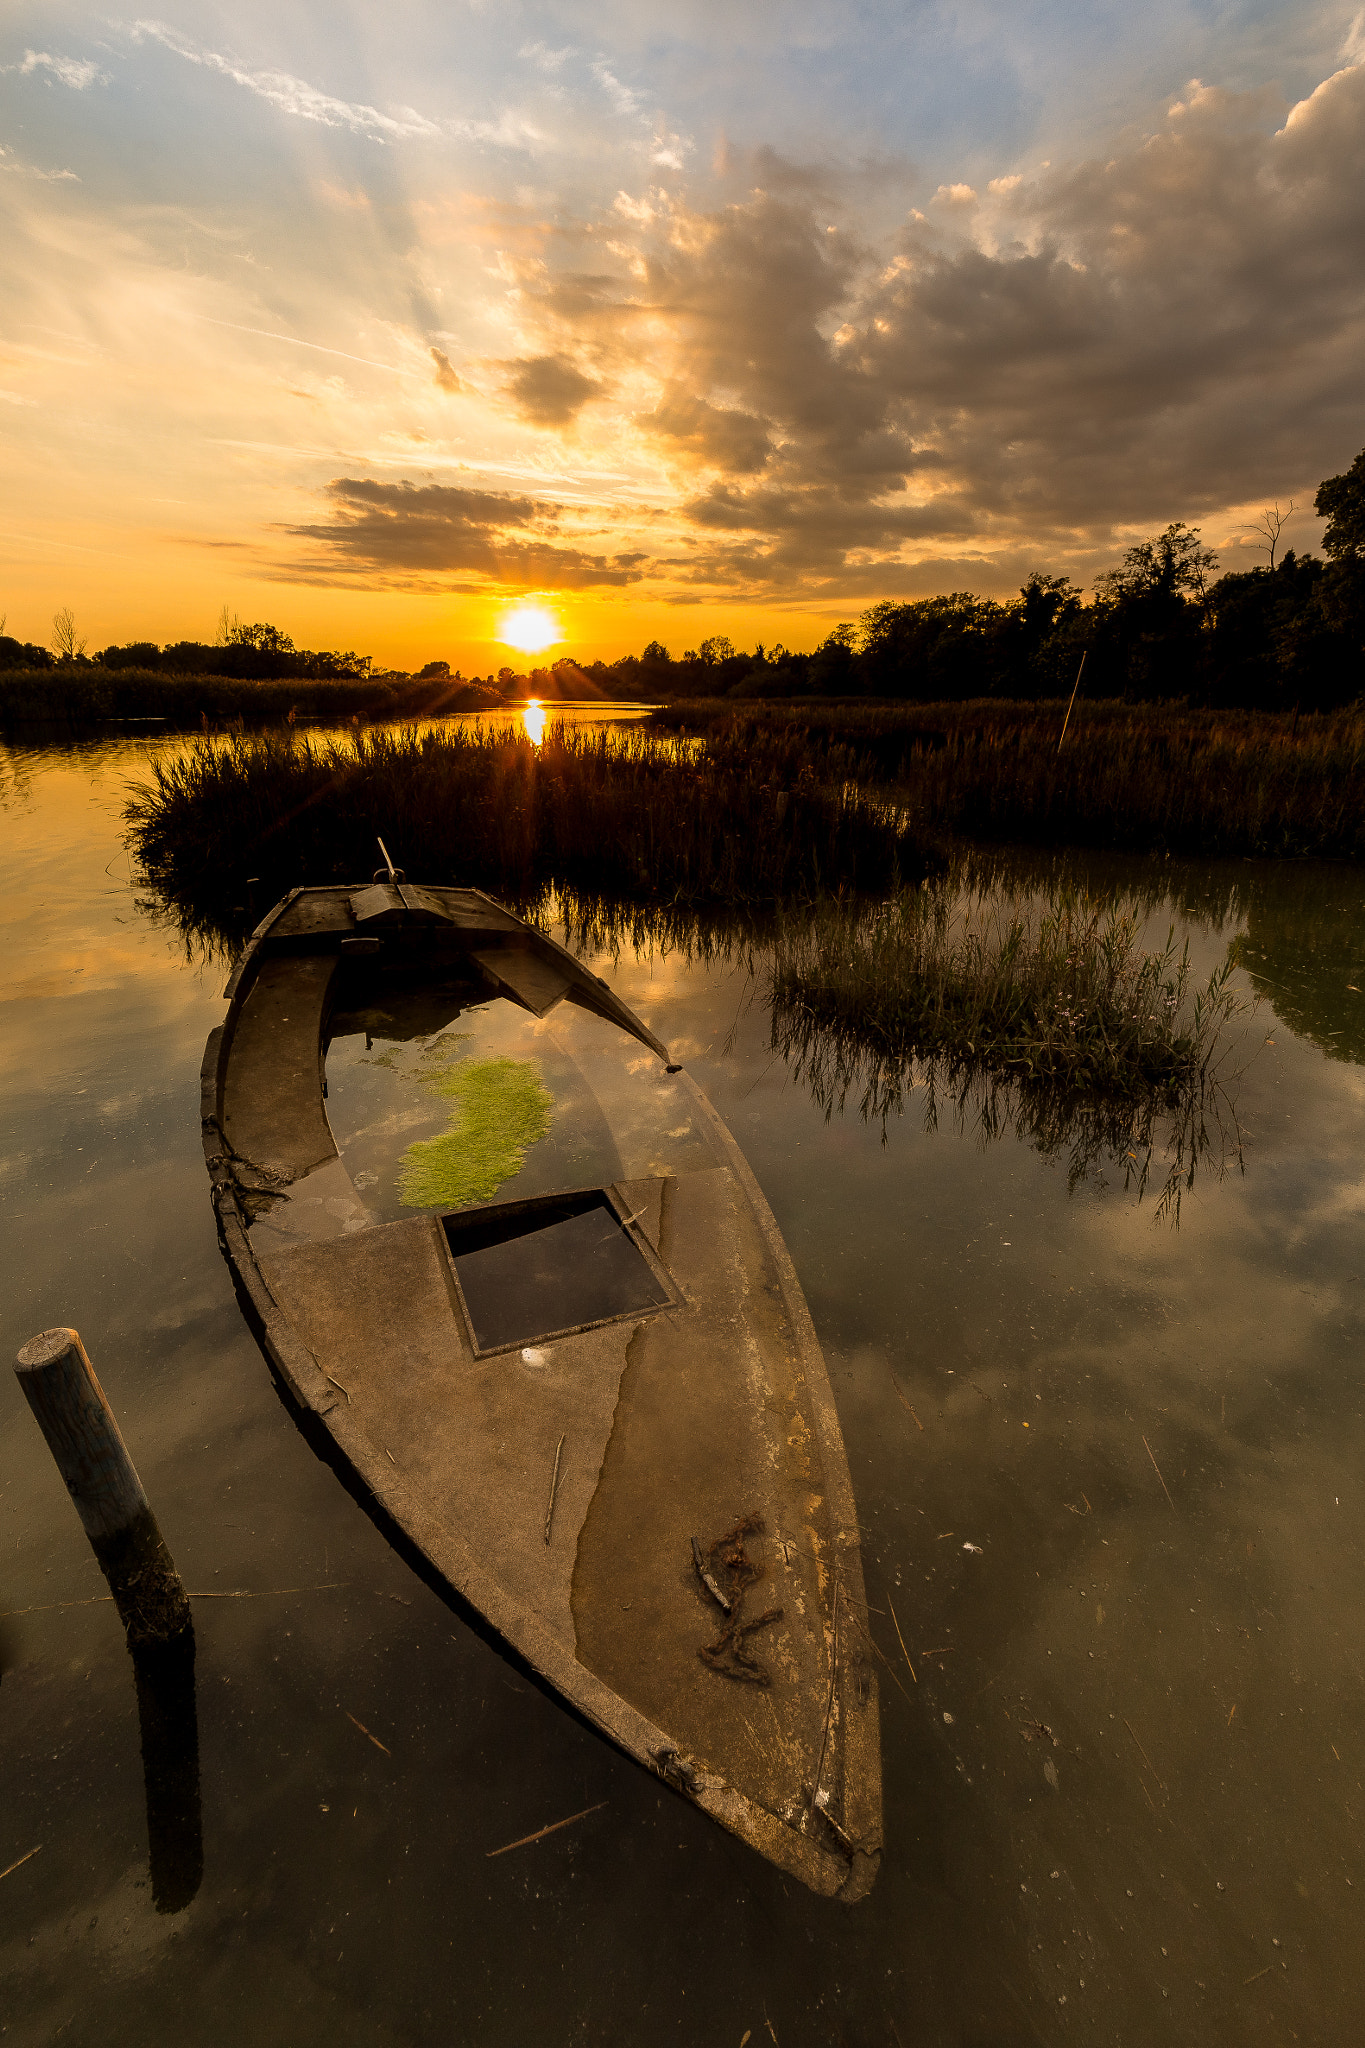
(1145, 778)
(629, 815)
(1063, 993)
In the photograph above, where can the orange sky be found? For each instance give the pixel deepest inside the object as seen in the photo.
(376, 337)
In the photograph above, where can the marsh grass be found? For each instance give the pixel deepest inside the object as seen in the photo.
(1044, 1018)
(628, 815)
(1147, 778)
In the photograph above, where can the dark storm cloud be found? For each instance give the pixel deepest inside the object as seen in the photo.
(746, 294)
(721, 437)
(550, 391)
(1163, 334)
(381, 531)
(1173, 330)
(1020, 379)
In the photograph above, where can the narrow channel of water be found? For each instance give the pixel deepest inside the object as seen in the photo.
(1110, 1480)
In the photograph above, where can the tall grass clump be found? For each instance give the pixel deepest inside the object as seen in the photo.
(1139, 778)
(1048, 1019)
(631, 815)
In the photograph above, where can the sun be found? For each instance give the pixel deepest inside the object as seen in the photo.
(531, 628)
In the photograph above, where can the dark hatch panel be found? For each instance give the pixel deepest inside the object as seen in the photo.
(537, 1271)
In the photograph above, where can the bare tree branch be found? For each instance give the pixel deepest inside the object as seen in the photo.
(67, 643)
(1272, 525)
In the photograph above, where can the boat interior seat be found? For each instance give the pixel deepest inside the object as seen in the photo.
(272, 1112)
(534, 982)
(389, 903)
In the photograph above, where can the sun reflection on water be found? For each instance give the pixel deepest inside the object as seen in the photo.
(533, 721)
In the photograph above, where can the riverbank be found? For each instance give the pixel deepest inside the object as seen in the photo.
(78, 700)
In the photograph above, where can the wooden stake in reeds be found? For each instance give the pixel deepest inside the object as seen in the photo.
(1076, 686)
(60, 1387)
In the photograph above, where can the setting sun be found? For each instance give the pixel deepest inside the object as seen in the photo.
(531, 628)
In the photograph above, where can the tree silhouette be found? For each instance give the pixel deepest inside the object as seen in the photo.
(1175, 563)
(1272, 525)
(1341, 502)
(67, 643)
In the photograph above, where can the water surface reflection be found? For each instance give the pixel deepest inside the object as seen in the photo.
(1153, 1440)
(168, 1725)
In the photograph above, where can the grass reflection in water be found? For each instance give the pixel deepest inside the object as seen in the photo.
(1040, 1017)
(1030, 1006)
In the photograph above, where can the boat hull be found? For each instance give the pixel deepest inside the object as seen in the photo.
(566, 1448)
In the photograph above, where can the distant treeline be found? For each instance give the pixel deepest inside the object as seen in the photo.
(1160, 628)
(93, 695)
(256, 653)
(1156, 631)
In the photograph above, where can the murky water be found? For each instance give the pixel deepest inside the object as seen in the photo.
(1123, 1782)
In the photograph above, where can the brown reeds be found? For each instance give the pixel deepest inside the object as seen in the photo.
(630, 815)
(1146, 777)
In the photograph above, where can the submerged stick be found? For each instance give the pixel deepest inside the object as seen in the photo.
(103, 1599)
(1157, 1469)
(880, 1654)
(273, 1592)
(554, 1488)
(552, 1829)
(901, 1639)
(21, 1862)
(904, 1403)
(68, 1402)
(1143, 1754)
(55, 1606)
(366, 1732)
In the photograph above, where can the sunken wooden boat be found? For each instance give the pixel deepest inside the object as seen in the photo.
(599, 1411)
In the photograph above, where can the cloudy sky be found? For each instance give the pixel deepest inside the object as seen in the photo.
(713, 316)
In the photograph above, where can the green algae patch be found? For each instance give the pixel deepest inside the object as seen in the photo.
(501, 1108)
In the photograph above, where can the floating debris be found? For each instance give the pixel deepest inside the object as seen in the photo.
(524, 1841)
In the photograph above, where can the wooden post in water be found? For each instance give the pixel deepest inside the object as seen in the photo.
(60, 1387)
